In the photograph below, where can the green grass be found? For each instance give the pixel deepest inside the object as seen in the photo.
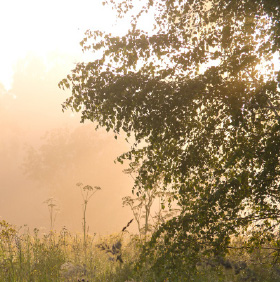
(30, 256)
(62, 256)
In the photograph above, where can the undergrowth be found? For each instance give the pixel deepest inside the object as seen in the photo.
(62, 256)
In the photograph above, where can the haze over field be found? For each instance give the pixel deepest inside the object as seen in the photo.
(44, 152)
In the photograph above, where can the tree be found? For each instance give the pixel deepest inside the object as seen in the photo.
(67, 155)
(201, 94)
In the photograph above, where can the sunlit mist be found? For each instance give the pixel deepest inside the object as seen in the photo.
(44, 152)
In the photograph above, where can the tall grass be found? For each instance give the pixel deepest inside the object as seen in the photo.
(60, 256)
(31, 256)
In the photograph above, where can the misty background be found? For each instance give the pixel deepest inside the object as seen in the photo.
(45, 152)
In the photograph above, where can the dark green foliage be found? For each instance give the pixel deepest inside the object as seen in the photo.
(202, 92)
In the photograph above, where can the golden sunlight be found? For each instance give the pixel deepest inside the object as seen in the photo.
(41, 27)
(39, 46)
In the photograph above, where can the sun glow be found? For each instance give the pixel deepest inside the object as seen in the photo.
(272, 66)
(41, 27)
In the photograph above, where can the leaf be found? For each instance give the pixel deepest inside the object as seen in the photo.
(212, 136)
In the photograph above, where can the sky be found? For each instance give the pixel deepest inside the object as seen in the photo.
(41, 27)
(44, 152)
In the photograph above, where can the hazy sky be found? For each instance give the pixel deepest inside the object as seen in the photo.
(44, 152)
(44, 26)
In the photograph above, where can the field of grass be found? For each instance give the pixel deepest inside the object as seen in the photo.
(61, 256)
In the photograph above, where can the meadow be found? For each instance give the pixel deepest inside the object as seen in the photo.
(29, 255)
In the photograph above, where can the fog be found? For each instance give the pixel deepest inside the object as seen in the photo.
(45, 152)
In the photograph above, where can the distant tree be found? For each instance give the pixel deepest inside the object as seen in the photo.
(65, 156)
(201, 94)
